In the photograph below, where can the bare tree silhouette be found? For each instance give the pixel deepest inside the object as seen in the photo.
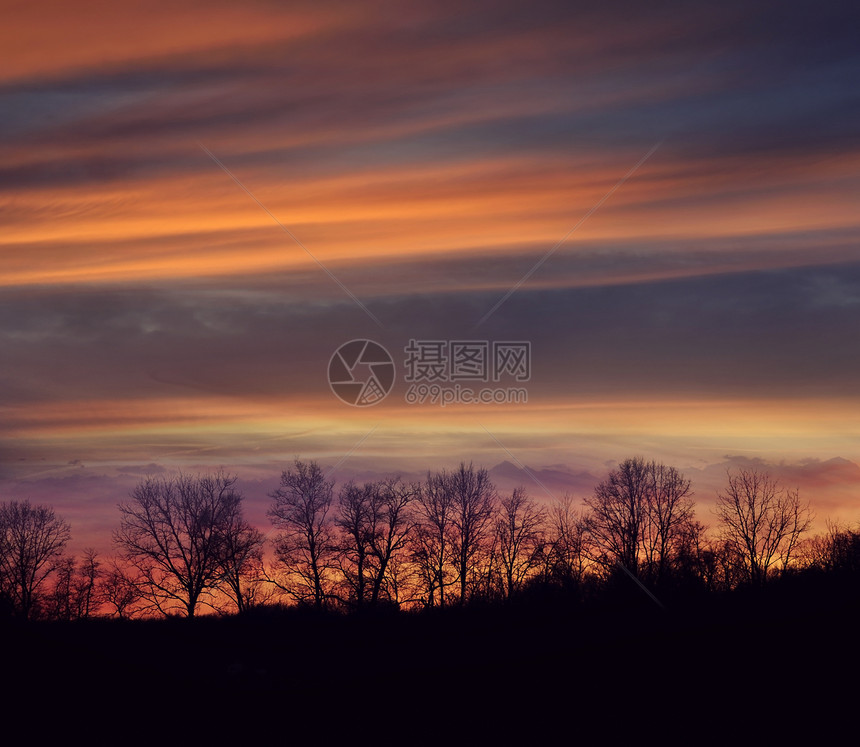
(305, 546)
(176, 534)
(837, 550)
(520, 526)
(669, 526)
(356, 521)
(564, 556)
(87, 595)
(393, 530)
(375, 525)
(761, 522)
(118, 590)
(242, 562)
(617, 514)
(474, 499)
(32, 538)
(431, 543)
(640, 516)
(75, 594)
(59, 604)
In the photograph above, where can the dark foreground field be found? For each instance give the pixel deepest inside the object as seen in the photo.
(544, 666)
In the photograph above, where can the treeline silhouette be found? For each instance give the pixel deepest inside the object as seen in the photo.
(183, 546)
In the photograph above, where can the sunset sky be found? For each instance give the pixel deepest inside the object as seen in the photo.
(187, 189)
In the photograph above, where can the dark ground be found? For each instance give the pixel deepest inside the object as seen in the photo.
(546, 667)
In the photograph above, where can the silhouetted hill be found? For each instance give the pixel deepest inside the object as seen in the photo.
(558, 479)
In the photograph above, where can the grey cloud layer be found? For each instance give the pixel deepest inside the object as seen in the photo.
(787, 332)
